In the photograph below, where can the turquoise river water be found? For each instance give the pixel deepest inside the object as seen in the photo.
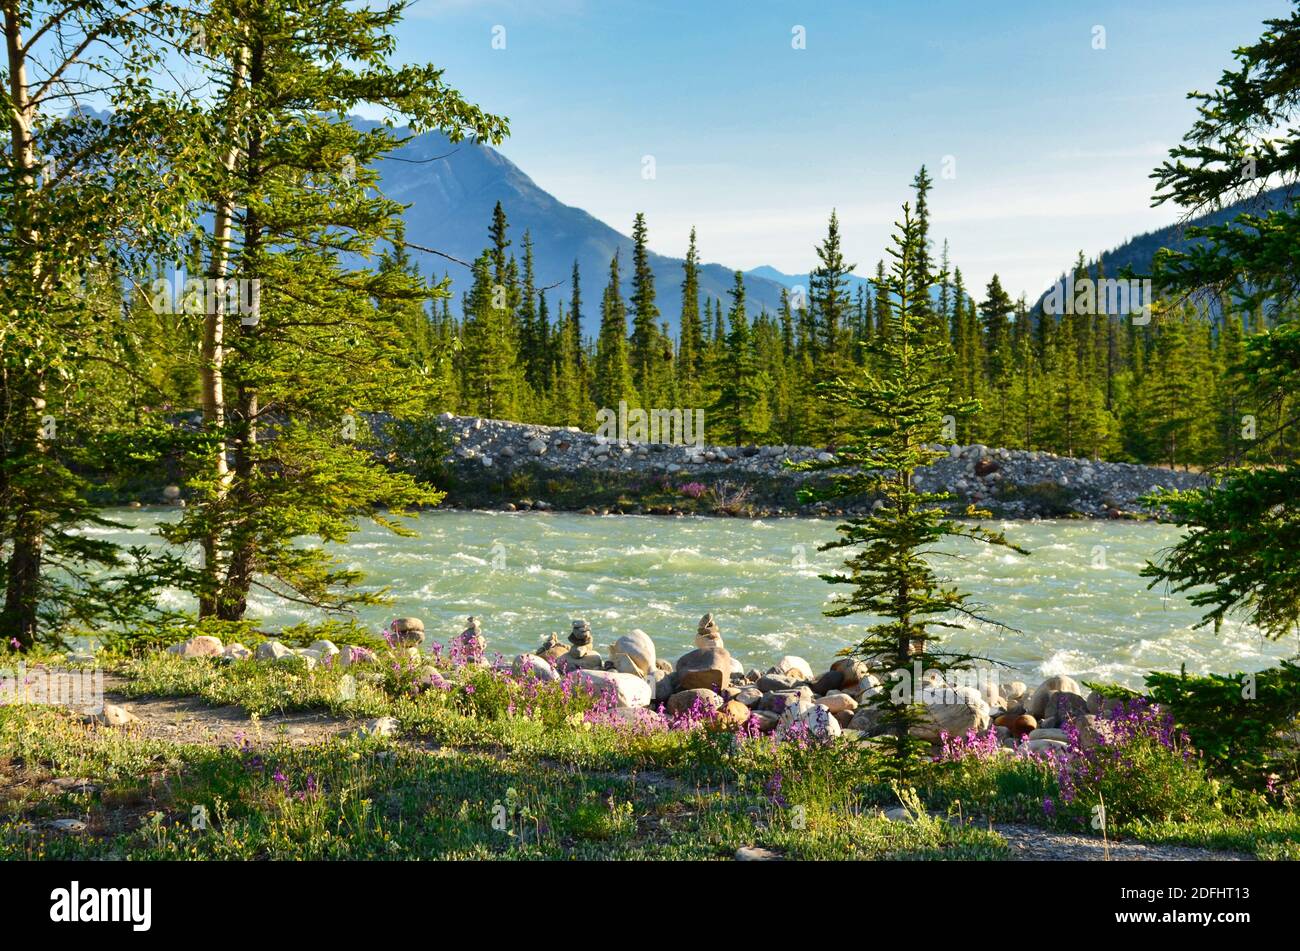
(1077, 600)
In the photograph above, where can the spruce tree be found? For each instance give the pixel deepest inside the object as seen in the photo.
(902, 396)
(690, 353)
(646, 351)
(292, 189)
(741, 412)
(613, 383)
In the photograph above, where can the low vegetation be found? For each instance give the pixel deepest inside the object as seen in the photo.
(487, 764)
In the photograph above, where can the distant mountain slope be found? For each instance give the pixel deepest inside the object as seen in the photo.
(802, 280)
(452, 189)
(1139, 252)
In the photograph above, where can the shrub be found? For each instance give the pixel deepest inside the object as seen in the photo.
(1239, 722)
(1136, 764)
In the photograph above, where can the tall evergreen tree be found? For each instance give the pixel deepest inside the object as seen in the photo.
(646, 355)
(741, 413)
(292, 193)
(902, 396)
(690, 354)
(613, 373)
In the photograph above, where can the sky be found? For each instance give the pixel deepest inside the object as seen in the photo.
(1039, 121)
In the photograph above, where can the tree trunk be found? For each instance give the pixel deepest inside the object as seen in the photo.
(243, 545)
(21, 422)
(214, 348)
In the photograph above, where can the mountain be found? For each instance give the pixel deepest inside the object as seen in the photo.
(452, 189)
(1138, 253)
(802, 280)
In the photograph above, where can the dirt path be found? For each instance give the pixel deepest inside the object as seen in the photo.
(1029, 843)
(194, 720)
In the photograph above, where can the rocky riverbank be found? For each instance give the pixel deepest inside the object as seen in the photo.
(517, 465)
(709, 686)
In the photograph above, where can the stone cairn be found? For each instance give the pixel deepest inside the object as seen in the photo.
(708, 680)
(582, 655)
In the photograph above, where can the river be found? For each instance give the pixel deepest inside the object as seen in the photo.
(1077, 602)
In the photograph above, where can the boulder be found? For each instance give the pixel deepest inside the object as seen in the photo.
(778, 700)
(867, 720)
(838, 702)
(853, 669)
(816, 720)
(831, 680)
(955, 711)
(703, 701)
(1036, 705)
(749, 696)
(116, 716)
(272, 650)
(638, 647)
(349, 656)
(1046, 746)
(867, 686)
(662, 685)
(383, 726)
(580, 657)
(765, 719)
(1064, 706)
(1046, 734)
(770, 682)
(204, 645)
(324, 648)
(408, 630)
(734, 713)
(236, 651)
(1016, 725)
(530, 665)
(628, 691)
(708, 667)
(1091, 731)
(792, 666)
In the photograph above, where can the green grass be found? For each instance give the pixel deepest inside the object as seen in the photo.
(374, 799)
(505, 771)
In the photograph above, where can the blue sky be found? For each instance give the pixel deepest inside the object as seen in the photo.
(754, 142)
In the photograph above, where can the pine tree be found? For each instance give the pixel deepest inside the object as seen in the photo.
(828, 296)
(690, 353)
(646, 352)
(741, 411)
(995, 316)
(613, 373)
(294, 200)
(902, 396)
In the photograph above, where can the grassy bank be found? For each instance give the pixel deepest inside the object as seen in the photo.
(488, 766)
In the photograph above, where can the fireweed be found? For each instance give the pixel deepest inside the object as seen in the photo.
(1137, 762)
(1133, 759)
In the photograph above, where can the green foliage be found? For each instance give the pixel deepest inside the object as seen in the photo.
(1243, 724)
(898, 401)
(1245, 529)
(1141, 781)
